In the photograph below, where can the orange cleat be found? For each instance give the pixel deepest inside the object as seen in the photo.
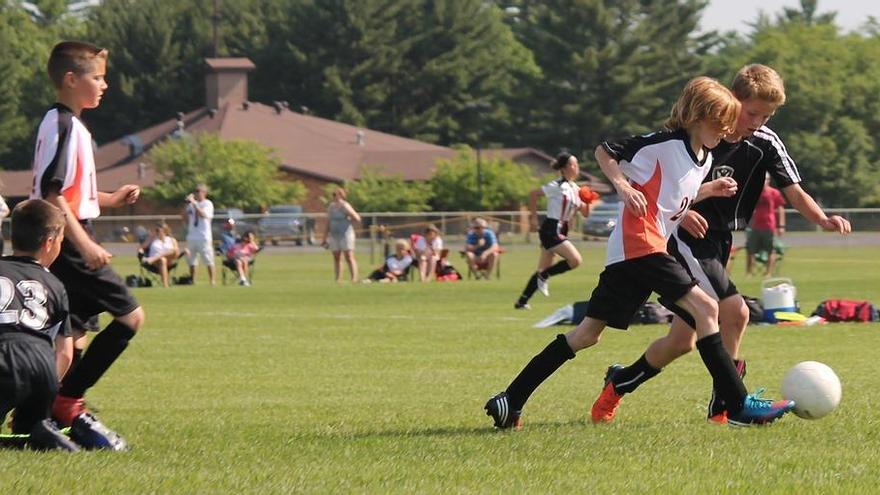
(606, 404)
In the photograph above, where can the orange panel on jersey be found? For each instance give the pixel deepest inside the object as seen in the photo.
(73, 194)
(641, 235)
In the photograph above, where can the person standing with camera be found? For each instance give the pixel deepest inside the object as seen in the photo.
(198, 214)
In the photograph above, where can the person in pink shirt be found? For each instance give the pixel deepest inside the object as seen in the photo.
(242, 253)
(768, 221)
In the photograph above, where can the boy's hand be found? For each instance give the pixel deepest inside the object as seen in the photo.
(94, 255)
(724, 187)
(125, 195)
(633, 200)
(836, 223)
(694, 224)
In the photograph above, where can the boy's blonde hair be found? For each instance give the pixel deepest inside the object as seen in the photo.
(761, 82)
(402, 244)
(73, 56)
(704, 99)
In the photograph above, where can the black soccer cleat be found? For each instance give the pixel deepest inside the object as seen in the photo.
(519, 305)
(45, 435)
(91, 434)
(498, 408)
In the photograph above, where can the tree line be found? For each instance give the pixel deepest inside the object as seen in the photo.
(550, 74)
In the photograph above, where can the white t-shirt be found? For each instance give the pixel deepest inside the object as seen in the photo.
(398, 265)
(197, 227)
(434, 249)
(161, 247)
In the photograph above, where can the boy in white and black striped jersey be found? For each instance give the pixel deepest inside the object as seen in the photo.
(703, 241)
(563, 200)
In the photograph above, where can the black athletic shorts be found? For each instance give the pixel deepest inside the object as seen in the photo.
(90, 292)
(625, 286)
(28, 381)
(706, 259)
(553, 233)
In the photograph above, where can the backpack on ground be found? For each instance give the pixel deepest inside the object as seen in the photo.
(652, 312)
(756, 309)
(846, 310)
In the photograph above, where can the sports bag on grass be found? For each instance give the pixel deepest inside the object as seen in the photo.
(846, 310)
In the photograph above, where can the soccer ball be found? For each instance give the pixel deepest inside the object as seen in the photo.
(813, 387)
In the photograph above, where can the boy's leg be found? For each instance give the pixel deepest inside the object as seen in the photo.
(506, 408)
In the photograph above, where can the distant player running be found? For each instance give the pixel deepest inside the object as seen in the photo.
(563, 200)
(64, 175)
(703, 242)
(665, 171)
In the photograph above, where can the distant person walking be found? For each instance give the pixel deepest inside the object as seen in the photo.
(339, 236)
(198, 214)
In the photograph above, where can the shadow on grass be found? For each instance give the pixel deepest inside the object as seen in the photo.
(452, 431)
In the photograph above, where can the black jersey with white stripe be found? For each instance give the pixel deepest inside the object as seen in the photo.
(746, 161)
(32, 300)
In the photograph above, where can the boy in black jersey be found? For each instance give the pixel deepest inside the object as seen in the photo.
(703, 241)
(64, 175)
(34, 316)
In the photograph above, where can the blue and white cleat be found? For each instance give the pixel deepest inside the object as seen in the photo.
(758, 411)
(91, 434)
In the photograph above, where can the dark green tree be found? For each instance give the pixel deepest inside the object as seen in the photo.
(609, 68)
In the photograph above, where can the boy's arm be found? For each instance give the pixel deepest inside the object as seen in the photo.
(63, 354)
(93, 254)
(632, 199)
(724, 187)
(127, 194)
(808, 207)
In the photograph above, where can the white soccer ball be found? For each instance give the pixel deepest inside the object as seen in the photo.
(813, 387)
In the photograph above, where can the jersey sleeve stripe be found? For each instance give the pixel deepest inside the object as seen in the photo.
(787, 162)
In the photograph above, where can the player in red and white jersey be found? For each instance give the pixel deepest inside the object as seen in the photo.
(64, 175)
(563, 200)
(705, 112)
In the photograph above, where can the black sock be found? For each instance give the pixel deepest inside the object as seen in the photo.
(628, 379)
(539, 369)
(728, 385)
(77, 356)
(101, 353)
(717, 404)
(559, 267)
(530, 289)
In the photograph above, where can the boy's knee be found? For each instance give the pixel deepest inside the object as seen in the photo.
(133, 320)
(574, 262)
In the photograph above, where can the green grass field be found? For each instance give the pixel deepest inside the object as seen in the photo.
(300, 385)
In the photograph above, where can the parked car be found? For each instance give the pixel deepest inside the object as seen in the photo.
(221, 215)
(285, 222)
(603, 217)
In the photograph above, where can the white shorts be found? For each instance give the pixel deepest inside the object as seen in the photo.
(200, 248)
(344, 243)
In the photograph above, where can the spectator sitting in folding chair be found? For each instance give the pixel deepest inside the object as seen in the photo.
(481, 249)
(396, 267)
(160, 252)
(240, 257)
(428, 250)
(228, 237)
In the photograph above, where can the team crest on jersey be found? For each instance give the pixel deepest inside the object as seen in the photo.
(722, 171)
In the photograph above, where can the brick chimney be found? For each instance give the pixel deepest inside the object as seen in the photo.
(226, 81)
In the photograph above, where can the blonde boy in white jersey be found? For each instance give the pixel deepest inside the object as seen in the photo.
(64, 175)
(657, 177)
